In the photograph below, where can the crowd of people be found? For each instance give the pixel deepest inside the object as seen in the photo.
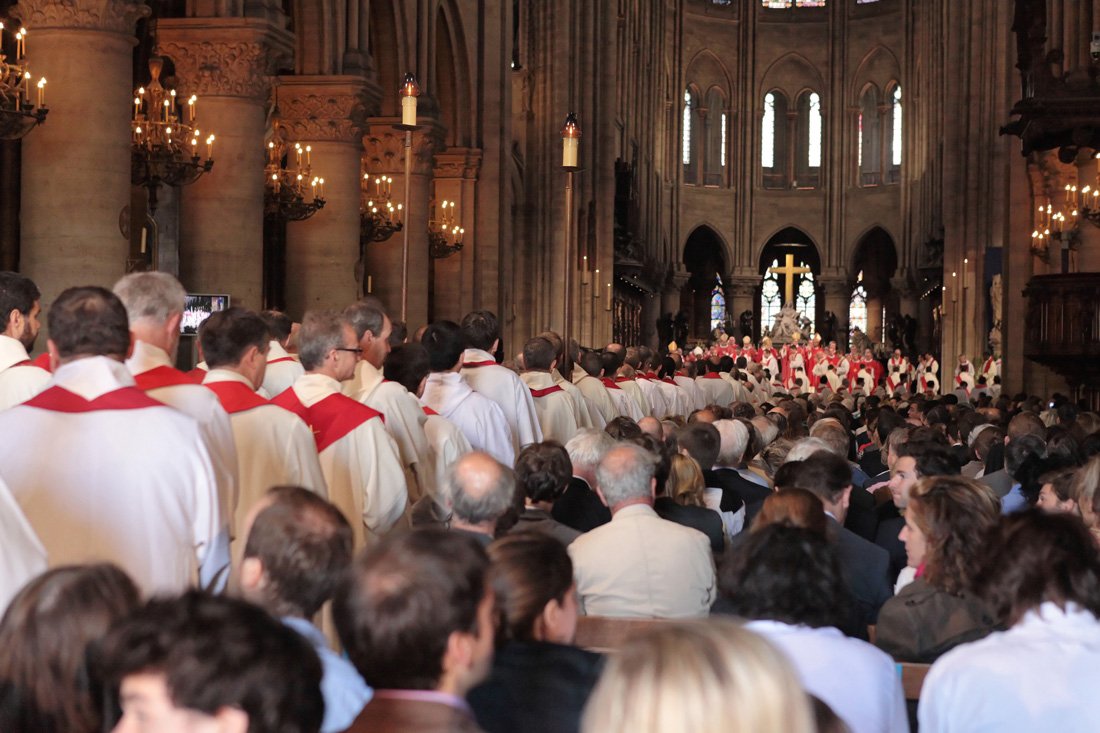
(339, 525)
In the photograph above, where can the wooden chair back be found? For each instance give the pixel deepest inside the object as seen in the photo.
(605, 634)
(912, 678)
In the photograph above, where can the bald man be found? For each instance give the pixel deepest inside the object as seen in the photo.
(478, 490)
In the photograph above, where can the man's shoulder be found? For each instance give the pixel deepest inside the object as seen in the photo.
(849, 540)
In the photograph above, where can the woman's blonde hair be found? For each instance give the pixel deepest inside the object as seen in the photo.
(698, 677)
(685, 483)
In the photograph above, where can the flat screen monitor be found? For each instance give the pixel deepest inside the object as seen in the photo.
(197, 308)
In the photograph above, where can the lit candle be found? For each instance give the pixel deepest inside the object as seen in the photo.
(570, 141)
(399, 208)
(584, 270)
(309, 156)
(137, 107)
(42, 92)
(210, 147)
(608, 296)
(370, 284)
(596, 286)
(321, 181)
(143, 233)
(410, 90)
(27, 86)
(955, 290)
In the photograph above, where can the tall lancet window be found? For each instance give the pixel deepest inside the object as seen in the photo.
(714, 147)
(893, 171)
(717, 305)
(774, 158)
(870, 139)
(690, 145)
(806, 297)
(857, 311)
(808, 149)
(771, 300)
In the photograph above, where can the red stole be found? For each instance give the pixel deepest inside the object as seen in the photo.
(162, 376)
(330, 419)
(545, 391)
(281, 359)
(476, 364)
(712, 375)
(236, 397)
(609, 383)
(59, 399)
(430, 411)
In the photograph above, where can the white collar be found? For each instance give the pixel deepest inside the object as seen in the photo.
(92, 376)
(146, 357)
(226, 375)
(12, 352)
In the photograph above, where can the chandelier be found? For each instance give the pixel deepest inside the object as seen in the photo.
(379, 219)
(444, 235)
(290, 193)
(165, 148)
(18, 114)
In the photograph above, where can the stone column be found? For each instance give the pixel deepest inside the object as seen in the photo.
(327, 113)
(226, 62)
(838, 299)
(385, 153)
(76, 167)
(743, 289)
(671, 297)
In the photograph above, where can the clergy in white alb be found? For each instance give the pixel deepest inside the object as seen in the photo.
(500, 384)
(716, 391)
(625, 379)
(552, 404)
(20, 379)
(358, 457)
(274, 446)
(448, 394)
(283, 369)
(654, 396)
(404, 416)
(586, 378)
(586, 414)
(23, 555)
(154, 305)
(125, 479)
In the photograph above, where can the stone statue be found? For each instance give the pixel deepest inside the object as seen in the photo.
(786, 324)
(665, 331)
(828, 327)
(680, 328)
(995, 293)
(745, 320)
(860, 341)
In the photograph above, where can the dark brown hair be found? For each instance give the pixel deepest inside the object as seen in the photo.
(792, 508)
(529, 569)
(955, 514)
(543, 470)
(89, 321)
(50, 636)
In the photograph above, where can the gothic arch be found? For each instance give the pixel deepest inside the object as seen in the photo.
(793, 232)
(875, 236)
(792, 70)
(706, 224)
(706, 257)
(880, 67)
(706, 70)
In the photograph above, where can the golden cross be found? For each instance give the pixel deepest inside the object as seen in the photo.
(789, 271)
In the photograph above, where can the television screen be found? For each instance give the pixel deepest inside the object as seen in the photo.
(197, 308)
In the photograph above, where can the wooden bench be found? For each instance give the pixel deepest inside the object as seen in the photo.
(607, 634)
(912, 678)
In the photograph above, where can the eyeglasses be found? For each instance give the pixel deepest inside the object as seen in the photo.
(345, 348)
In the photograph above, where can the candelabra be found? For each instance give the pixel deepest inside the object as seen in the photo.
(444, 235)
(165, 148)
(285, 188)
(18, 115)
(379, 219)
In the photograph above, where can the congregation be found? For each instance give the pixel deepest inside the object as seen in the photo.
(338, 525)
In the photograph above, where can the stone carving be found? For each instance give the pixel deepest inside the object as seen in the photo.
(219, 68)
(118, 16)
(314, 113)
(458, 163)
(384, 148)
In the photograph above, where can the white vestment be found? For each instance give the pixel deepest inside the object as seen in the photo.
(22, 556)
(127, 480)
(587, 416)
(553, 406)
(716, 391)
(634, 392)
(282, 372)
(448, 445)
(154, 374)
(358, 457)
(597, 395)
(479, 418)
(274, 446)
(504, 387)
(404, 421)
(698, 399)
(19, 379)
(658, 405)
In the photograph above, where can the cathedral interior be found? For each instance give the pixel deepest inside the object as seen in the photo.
(923, 170)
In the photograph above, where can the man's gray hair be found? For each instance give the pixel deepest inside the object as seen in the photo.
(587, 448)
(477, 488)
(322, 331)
(734, 439)
(151, 296)
(767, 429)
(626, 473)
(805, 448)
(365, 317)
(830, 430)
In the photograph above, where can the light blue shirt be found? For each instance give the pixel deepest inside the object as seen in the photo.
(344, 691)
(1013, 501)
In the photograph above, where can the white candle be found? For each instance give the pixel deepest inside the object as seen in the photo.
(569, 151)
(143, 233)
(370, 284)
(408, 111)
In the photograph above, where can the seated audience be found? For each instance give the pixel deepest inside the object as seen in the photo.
(1041, 576)
(200, 662)
(417, 621)
(788, 584)
(543, 471)
(539, 681)
(682, 501)
(477, 492)
(946, 523)
(640, 565)
(580, 507)
(792, 508)
(1056, 492)
(298, 551)
(703, 442)
(702, 676)
(50, 637)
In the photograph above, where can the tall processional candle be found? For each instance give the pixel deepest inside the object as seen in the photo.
(410, 90)
(570, 141)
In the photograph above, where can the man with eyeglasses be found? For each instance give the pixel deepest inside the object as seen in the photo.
(358, 457)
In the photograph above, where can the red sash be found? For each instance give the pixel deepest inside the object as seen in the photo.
(330, 419)
(236, 397)
(712, 375)
(59, 399)
(609, 383)
(430, 411)
(162, 376)
(282, 359)
(623, 379)
(198, 374)
(545, 391)
(476, 364)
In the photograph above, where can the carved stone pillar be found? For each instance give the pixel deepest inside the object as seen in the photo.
(327, 113)
(838, 300)
(226, 62)
(384, 152)
(743, 289)
(76, 167)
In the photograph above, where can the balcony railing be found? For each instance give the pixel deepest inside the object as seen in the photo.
(1062, 327)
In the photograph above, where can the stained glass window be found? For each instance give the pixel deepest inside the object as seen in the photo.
(687, 127)
(857, 310)
(895, 153)
(717, 305)
(767, 133)
(723, 139)
(814, 147)
(770, 297)
(784, 4)
(805, 297)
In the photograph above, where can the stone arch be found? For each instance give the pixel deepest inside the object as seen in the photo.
(875, 254)
(705, 256)
(706, 70)
(791, 71)
(880, 67)
(793, 232)
(796, 242)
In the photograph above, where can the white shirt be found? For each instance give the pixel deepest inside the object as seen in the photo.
(1040, 675)
(282, 370)
(358, 457)
(857, 680)
(274, 446)
(18, 381)
(404, 420)
(22, 556)
(480, 419)
(639, 565)
(625, 405)
(553, 406)
(127, 479)
(504, 387)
